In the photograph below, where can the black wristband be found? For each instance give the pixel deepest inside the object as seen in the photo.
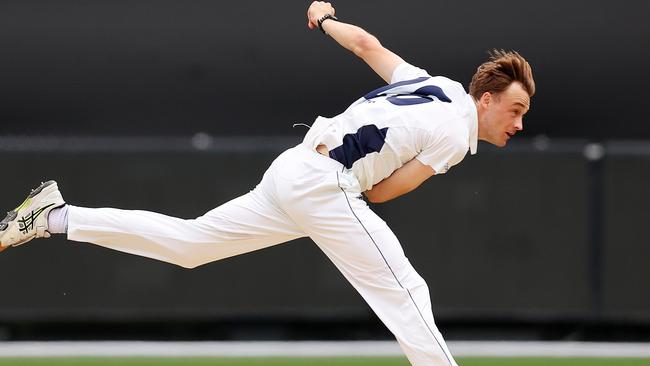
(324, 18)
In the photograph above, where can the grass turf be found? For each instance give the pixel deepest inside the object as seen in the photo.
(109, 361)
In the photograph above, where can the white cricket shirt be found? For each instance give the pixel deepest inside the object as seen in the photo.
(431, 119)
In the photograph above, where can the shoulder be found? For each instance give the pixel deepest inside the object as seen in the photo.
(443, 80)
(458, 146)
(453, 137)
(457, 139)
(445, 148)
(406, 71)
(454, 88)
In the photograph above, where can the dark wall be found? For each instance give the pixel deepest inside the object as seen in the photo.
(178, 67)
(626, 246)
(504, 236)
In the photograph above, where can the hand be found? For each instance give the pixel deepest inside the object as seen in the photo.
(317, 10)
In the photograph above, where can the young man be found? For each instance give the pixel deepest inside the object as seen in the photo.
(384, 145)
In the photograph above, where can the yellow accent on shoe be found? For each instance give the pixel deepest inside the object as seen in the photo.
(23, 205)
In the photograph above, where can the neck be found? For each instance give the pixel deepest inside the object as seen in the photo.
(479, 114)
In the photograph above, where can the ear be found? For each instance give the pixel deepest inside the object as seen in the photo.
(486, 99)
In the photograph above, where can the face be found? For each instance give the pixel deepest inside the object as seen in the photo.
(501, 115)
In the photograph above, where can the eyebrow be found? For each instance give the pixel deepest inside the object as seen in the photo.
(522, 104)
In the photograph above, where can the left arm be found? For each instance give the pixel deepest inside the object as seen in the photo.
(355, 39)
(403, 180)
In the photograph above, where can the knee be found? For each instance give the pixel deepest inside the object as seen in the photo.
(410, 279)
(187, 256)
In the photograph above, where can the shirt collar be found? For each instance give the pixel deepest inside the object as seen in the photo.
(473, 125)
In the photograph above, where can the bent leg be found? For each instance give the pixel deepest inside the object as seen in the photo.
(245, 224)
(369, 255)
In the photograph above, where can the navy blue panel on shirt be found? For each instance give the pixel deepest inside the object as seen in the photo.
(377, 92)
(408, 99)
(366, 140)
(421, 95)
(436, 91)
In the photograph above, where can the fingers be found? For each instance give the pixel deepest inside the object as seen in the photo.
(317, 10)
(325, 6)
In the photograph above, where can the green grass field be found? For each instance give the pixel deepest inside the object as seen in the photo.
(314, 362)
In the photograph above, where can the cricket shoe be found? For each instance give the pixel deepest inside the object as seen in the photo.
(29, 220)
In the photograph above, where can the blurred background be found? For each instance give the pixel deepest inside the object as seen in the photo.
(178, 106)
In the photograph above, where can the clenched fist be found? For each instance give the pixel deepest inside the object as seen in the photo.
(317, 10)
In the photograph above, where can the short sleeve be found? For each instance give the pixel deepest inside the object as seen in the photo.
(406, 71)
(443, 153)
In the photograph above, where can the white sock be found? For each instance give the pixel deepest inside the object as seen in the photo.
(57, 221)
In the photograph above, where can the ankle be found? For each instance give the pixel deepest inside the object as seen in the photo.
(57, 220)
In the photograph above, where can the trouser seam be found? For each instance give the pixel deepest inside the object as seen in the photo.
(393, 272)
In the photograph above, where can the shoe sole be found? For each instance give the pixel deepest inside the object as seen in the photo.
(11, 215)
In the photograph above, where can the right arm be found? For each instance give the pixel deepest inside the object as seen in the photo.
(355, 39)
(403, 180)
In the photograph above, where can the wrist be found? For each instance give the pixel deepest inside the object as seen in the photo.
(322, 19)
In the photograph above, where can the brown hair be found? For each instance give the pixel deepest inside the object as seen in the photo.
(503, 68)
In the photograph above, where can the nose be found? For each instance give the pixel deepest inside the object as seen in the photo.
(519, 124)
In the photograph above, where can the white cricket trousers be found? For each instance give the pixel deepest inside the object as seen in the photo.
(303, 193)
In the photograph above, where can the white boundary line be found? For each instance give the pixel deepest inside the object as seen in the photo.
(550, 349)
(314, 349)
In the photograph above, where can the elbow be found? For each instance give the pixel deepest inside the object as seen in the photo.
(363, 43)
(375, 198)
(187, 261)
(188, 265)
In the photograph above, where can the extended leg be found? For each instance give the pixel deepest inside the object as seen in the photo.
(245, 224)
